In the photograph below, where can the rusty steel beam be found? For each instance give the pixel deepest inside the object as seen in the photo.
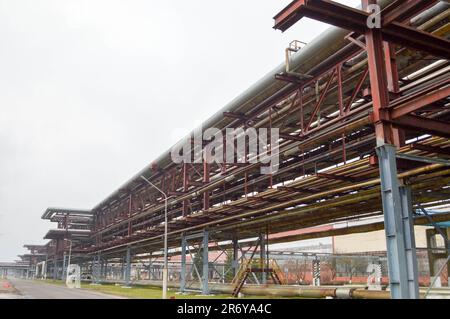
(320, 101)
(406, 10)
(423, 124)
(355, 20)
(355, 92)
(300, 158)
(322, 10)
(378, 83)
(206, 179)
(420, 220)
(430, 149)
(419, 101)
(296, 190)
(338, 177)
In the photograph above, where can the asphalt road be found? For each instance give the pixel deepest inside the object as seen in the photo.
(38, 290)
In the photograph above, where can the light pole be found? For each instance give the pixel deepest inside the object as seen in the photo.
(165, 269)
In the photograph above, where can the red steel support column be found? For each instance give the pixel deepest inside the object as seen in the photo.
(391, 68)
(206, 168)
(302, 120)
(383, 76)
(270, 150)
(341, 106)
(393, 86)
(340, 89)
(185, 188)
(130, 203)
(378, 83)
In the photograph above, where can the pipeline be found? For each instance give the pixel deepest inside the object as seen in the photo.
(310, 56)
(293, 147)
(288, 291)
(315, 51)
(343, 292)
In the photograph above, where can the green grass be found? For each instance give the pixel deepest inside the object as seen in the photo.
(145, 292)
(139, 292)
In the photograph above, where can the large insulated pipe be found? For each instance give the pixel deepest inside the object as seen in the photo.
(317, 52)
(301, 60)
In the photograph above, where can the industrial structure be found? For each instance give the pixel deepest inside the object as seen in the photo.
(364, 126)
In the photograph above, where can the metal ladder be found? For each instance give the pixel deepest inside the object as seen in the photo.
(276, 273)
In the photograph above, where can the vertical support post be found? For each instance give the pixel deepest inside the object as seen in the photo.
(393, 86)
(128, 267)
(55, 261)
(391, 68)
(379, 92)
(63, 275)
(183, 264)
(206, 172)
(410, 242)
(94, 270)
(130, 207)
(98, 269)
(378, 82)
(262, 252)
(205, 288)
(122, 270)
(105, 269)
(316, 271)
(102, 268)
(235, 255)
(45, 266)
(185, 188)
(432, 245)
(30, 265)
(393, 224)
(150, 267)
(340, 89)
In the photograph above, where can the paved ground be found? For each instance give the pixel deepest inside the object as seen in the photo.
(38, 290)
(7, 291)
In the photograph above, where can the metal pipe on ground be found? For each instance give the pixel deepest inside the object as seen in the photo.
(292, 291)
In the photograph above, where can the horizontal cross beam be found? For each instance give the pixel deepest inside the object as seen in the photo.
(422, 124)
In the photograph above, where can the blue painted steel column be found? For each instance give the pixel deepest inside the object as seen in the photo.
(205, 288)
(105, 269)
(63, 275)
(122, 269)
(235, 264)
(101, 269)
(183, 264)
(410, 242)
(393, 223)
(128, 267)
(96, 270)
(55, 269)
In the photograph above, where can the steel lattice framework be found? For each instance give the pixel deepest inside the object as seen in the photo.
(350, 92)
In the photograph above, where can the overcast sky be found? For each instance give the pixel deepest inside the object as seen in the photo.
(92, 91)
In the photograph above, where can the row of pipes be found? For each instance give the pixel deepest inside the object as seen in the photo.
(299, 60)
